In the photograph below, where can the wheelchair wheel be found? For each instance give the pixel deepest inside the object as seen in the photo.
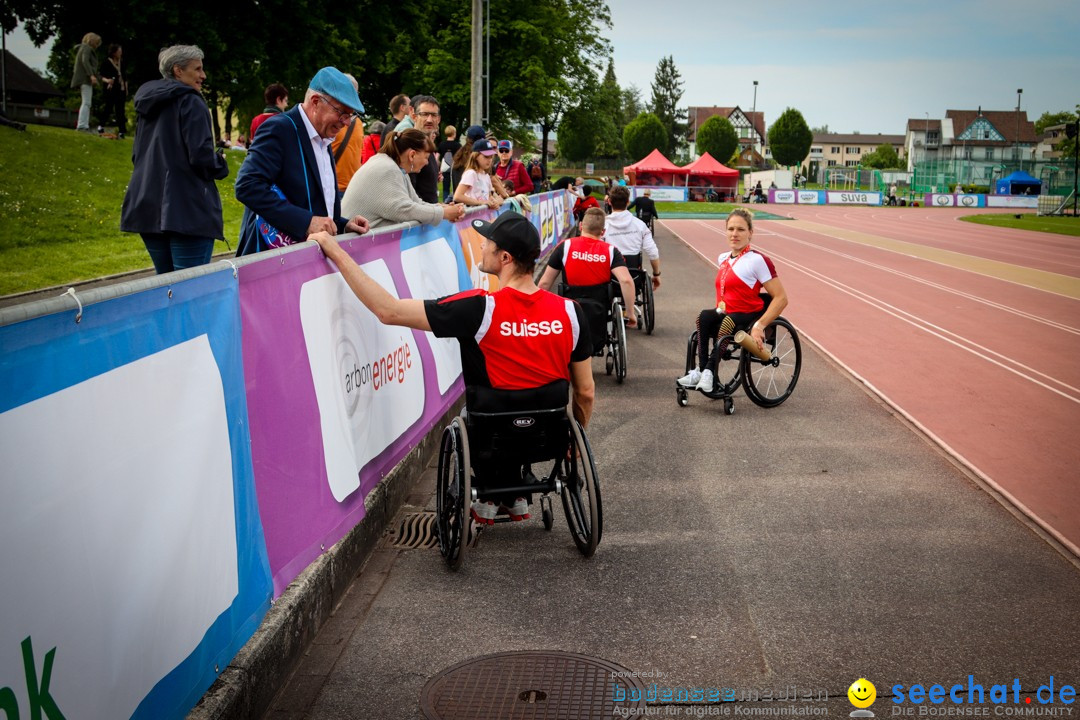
(618, 340)
(453, 494)
(770, 383)
(581, 494)
(609, 360)
(682, 397)
(648, 308)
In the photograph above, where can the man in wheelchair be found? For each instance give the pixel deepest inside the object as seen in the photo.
(589, 265)
(519, 345)
(630, 235)
(743, 273)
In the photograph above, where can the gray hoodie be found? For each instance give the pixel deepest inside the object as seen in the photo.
(630, 235)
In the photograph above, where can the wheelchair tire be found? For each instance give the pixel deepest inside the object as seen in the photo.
(581, 494)
(729, 406)
(453, 494)
(648, 308)
(618, 340)
(770, 383)
(609, 360)
(728, 374)
(549, 519)
(683, 397)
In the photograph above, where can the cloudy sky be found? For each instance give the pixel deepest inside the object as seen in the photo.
(863, 66)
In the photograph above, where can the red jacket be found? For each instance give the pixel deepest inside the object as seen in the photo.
(584, 204)
(371, 146)
(517, 174)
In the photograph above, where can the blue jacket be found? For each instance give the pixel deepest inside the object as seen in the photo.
(281, 155)
(172, 187)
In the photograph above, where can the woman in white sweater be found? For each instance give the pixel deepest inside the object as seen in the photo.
(381, 191)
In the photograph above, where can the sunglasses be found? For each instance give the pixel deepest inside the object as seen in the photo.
(502, 150)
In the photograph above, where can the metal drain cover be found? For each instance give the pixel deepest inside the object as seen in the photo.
(543, 685)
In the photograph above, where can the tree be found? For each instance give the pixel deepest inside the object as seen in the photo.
(884, 156)
(820, 130)
(717, 137)
(1049, 119)
(667, 90)
(608, 109)
(645, 134)
(790, 138)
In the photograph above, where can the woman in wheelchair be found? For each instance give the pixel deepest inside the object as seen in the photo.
(743, 273)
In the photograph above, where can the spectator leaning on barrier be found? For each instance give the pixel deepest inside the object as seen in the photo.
(288, 177)
(426, 181)
(475, 186)
(276, 97)
(380, 190)
(461, 157)
(348, 147)
(172, 200)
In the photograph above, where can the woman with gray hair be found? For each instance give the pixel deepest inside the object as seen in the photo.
(172, 200)
(85, 76)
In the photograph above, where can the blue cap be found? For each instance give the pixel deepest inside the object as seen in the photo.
(484, 147)
(474, 133)
(331, 81)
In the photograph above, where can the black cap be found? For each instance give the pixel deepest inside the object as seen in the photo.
(513, 233)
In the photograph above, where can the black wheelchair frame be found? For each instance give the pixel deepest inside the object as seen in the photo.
(478, 447)
(643, 294)
(767, 383)
(613, 345)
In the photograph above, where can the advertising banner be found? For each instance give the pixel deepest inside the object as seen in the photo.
(661, 194)
(853, 197)
(1012, 201)
(783, 197)
(811, 197)
(131, 549)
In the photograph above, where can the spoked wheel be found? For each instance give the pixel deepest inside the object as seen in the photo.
(618, 340)
(453, 494)
(728, 371)
(648, 308)
(770, 383)
(581, 494)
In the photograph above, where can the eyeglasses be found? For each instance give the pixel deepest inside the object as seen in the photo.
(343, 115)
(502, 150)
(426, 114)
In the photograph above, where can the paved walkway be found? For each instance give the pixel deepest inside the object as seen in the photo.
(801, 547)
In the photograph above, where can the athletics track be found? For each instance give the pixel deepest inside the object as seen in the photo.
(972, 332)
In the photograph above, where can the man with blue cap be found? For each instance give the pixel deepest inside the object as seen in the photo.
(288, 178)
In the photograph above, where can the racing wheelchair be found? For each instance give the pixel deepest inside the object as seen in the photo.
(603, 309)
(541, 449)
(643, 293)
(767, 383)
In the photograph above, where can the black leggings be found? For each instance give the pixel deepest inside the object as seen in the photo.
(709, 324)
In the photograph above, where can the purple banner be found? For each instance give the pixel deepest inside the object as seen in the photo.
(335, 398)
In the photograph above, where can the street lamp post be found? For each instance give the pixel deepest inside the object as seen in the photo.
(753, 117)
(1019, 91)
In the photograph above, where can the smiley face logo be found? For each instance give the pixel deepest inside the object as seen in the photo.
(862, 693)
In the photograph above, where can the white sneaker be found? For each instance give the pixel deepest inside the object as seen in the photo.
(690, 379)
(483, 512)
(706, 382)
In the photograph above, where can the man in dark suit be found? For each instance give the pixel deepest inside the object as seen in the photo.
(645, 207)
(291, 157)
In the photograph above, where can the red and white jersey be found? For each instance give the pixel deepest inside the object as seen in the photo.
(511, 340)
(586, 261)
(739, 281)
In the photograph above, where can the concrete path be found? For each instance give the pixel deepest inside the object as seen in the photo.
(794, 549)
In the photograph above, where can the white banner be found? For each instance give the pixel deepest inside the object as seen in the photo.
(853, 197)
(809, 197)
(943, 200)
(117, 520)
(1012, 201)
(783, 197)
(362, 370)
(662, 194)
(431, 271)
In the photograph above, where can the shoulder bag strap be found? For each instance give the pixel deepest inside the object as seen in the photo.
(345, 141)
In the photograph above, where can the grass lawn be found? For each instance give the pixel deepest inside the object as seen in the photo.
(699, 208)
(60, 194)
(1030, 221)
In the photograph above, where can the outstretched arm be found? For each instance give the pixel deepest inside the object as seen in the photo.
(626, 284)
(389, 309)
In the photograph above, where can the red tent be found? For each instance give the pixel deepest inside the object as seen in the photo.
(654, 169)
(707, 172)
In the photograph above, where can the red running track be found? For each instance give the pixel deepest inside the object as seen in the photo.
(982, 356)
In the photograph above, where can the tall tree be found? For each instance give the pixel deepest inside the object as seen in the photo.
(1049, 119)
(884, 156)
(717, 137)
(645, 134)
(667, 91)
(608, 112)
(790, 138)
(630, 101)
